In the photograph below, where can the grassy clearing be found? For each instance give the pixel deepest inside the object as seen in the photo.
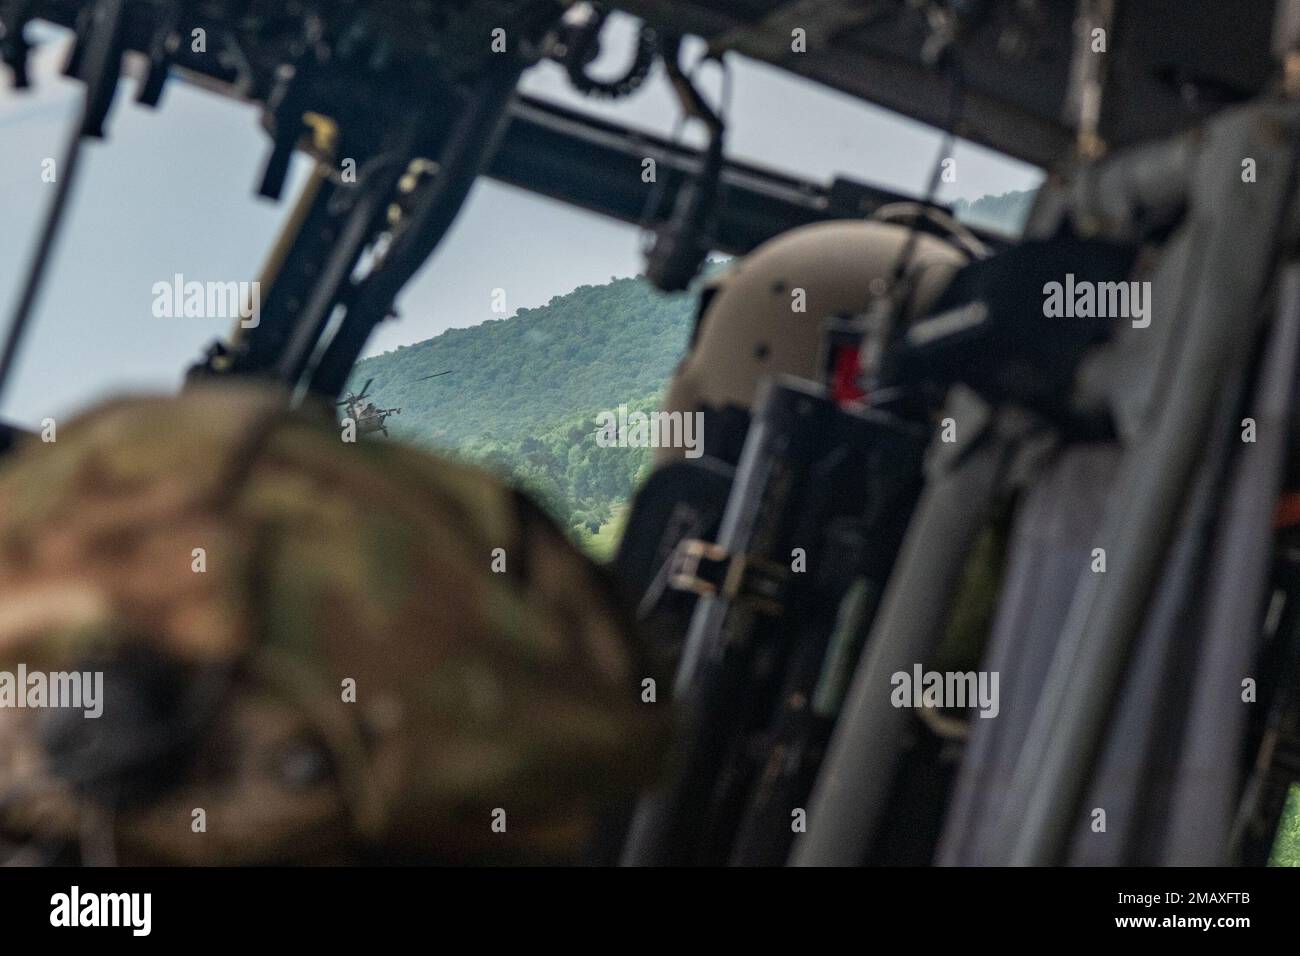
(604, 542)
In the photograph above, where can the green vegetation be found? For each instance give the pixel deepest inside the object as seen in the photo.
(524, 393)
(1286, 845)
(603, 542)
(582, 484)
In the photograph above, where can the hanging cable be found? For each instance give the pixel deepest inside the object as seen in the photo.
(683, 241)
(891, 299)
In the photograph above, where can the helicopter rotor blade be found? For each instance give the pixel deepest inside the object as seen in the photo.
(365, 389)
(435, 375)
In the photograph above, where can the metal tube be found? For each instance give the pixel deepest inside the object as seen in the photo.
(1230, 263)
(854, 782)
(1209, 773)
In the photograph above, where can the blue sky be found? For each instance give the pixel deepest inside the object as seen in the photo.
(172, 191)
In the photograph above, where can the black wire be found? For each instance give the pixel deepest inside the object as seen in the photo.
(956, 95)
(694, 106)
(952, 67)
(64, 176)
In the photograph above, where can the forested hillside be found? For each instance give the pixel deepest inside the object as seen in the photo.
(524, 391)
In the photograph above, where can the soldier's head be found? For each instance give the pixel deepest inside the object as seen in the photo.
(301, 649)
(765, 315)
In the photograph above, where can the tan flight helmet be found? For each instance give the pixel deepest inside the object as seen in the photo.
(750, 328)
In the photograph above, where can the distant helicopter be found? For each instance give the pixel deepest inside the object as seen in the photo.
(366, 415)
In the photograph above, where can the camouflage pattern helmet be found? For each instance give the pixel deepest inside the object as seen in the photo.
(311, 651)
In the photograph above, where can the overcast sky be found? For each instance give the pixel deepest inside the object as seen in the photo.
(171, 192)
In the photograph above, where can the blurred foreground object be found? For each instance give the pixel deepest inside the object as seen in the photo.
(317, 644)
